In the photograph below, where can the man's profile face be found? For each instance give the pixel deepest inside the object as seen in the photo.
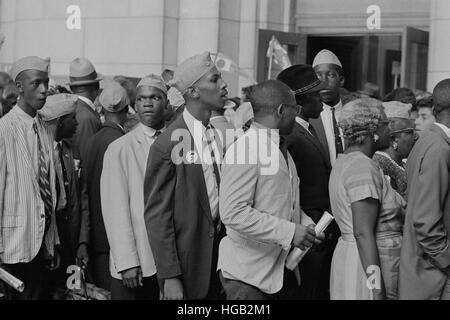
(151, 104)
(425, 119)
(212, 89)
(329, 74)
(33, 85)
(312, 105)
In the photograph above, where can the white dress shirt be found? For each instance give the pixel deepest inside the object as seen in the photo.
(327, 120)
(305, 124)
(204, 152)
(444, 127)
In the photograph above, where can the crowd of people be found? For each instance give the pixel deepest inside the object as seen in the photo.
(170, 189)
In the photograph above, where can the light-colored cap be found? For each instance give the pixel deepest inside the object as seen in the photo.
(114, 98)
(326, 57)
(29, 63)
(155, 81)
(82, 72)
(175, 97)
(191, 70)
(57, 106)
(396, 109)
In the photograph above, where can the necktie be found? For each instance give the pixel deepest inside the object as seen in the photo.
(213, 157)
(337, 133)
(312, 130)
(44, 182)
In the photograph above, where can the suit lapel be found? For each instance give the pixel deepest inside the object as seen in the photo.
(315, 141)
(197, 171)
(320, 130)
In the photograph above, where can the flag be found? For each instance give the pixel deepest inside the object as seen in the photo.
(279, 54)
(223, 63)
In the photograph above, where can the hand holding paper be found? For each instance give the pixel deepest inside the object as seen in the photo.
(12, 281)
(296, 255)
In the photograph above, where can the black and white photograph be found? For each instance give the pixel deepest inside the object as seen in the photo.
(224, 155)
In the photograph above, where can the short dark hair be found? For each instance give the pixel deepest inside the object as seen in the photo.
(425, 103)
(441, 96)
(268, 95)
(403, 95)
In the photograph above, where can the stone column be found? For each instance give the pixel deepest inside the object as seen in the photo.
(439, 46)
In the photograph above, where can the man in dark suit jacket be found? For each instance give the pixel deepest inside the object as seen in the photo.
(313, 167)
(114, 100)
(181, 191)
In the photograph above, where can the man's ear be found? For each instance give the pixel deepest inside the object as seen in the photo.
(193, 93)
(280, 111)
(19, 86)
(342, 81)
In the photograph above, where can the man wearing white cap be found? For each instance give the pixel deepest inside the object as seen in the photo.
(27, 183)
(329, 70)
(114, 101)
(122, 192)
(84, 82)
(59, 116)
(182, 193)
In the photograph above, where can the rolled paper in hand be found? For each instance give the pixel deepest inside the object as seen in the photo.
(11, 280)
(297, 254)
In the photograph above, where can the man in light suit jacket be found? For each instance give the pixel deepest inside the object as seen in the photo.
(181, 190)
(258, 205)
(28, 233)
(132, 265)
(425, 256)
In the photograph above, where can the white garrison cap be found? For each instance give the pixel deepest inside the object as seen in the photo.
(326, 57)
(396, 109)
(153, 80)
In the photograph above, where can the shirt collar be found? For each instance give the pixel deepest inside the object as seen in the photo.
(150, 132)
(337, 107)
(444, 128)
(88, 102)
(302, 122)
(25, 117)
(192, 123)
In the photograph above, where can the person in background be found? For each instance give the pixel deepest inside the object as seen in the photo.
(132, 264)
(59, 116)
(403, 137)
(5, 79)
(367, 209)
(9, 97)
(329, 70)
(132, 117)
(84, 82)
(370, 90)
(114, 100)
(425, 256)
(426, 118)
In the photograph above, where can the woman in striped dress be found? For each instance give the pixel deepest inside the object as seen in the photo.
(367, 210)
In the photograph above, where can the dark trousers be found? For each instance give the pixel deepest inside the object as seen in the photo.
(149, 291)
(100, 270)
(32, 274)
(315, 268)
